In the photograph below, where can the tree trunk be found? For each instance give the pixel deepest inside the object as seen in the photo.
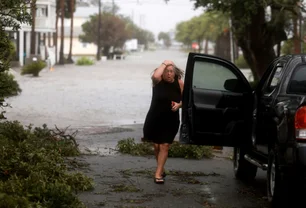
(279, 47)
(71, 32)
(257, 41)
(200, 42)
(33, 33)
(106, 51)
(296, 39)
(62, 7)
(206, 47)
(98, 55)
(56, 35)
(223, 46)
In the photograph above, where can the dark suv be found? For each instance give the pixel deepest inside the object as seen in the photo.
(266, 125)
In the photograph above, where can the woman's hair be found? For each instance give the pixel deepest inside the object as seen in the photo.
(179, 73)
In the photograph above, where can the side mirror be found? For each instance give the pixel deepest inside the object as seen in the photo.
(234, 85)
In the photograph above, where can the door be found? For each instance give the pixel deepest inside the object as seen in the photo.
(217, 103)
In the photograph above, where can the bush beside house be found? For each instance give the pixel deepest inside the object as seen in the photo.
(33, 68)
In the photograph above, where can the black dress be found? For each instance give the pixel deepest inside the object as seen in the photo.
(161, 123)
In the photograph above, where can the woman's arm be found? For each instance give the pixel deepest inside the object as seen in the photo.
(181, 83)
(176, 106)
(157, 75)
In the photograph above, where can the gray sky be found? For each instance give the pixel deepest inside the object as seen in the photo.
(155, 15)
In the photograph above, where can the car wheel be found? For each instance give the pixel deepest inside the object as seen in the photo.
(242, 168)
(278, 183)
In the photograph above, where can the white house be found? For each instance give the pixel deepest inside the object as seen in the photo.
(44, 31)
(81, 15)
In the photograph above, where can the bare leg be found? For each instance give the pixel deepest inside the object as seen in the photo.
(156, 151)
(162, 158)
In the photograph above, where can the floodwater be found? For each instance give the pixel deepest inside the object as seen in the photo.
(113, 92)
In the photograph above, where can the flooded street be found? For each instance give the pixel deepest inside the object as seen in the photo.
(114, 92)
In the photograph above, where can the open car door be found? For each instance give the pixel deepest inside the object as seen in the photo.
(217, 103)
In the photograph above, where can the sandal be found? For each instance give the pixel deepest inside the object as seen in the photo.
(164, 175)
(159, 181)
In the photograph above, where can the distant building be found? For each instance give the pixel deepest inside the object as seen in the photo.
(79, 48)
(44, 32)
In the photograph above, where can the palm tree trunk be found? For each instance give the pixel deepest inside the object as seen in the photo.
(297, 48)
(56, 33)
(33, 34)
(71, 31)
(62, 7)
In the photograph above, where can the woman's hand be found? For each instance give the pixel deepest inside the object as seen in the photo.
(168, 63)
(175, 106)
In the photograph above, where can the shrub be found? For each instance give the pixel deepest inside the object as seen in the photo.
(33, 169)
(8, 86)
(241, 63)
(84, 61)
(33, 68)
(128, 146)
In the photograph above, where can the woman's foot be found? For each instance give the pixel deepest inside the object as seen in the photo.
(164, 174)
(159, 180)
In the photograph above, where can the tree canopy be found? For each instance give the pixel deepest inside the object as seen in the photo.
(258, 25)
(207, 26)
(12, 14)
(143, 36)
(166, 38)
(113, 31)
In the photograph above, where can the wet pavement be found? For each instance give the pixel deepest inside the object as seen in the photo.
(108, 102)
(127, 181)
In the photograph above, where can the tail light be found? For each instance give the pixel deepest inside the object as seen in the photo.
(300, 123)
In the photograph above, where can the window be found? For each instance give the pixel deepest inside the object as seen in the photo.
(274, 80)
(211, 76)
(42, 12)
(297, 84)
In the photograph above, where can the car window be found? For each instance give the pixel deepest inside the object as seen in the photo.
(274, 80)
(211, 76)
(297, 83)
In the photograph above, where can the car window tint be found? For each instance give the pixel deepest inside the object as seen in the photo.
(211, 76)
(297, 83)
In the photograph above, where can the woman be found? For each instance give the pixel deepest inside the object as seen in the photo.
(162, 121)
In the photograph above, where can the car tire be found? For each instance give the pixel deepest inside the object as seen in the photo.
(281, 186)
(242, 168)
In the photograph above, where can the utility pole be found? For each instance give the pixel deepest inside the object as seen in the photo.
(99, 33)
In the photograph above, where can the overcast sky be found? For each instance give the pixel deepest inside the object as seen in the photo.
(156, 15)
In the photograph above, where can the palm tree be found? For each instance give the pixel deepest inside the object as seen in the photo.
(33, 41)
(62, 9)
(72, 3)
(56, 28)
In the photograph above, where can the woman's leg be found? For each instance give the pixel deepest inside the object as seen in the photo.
(156, 151)
(161, 160)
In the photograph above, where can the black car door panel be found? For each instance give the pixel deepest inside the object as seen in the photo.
(217, 102)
